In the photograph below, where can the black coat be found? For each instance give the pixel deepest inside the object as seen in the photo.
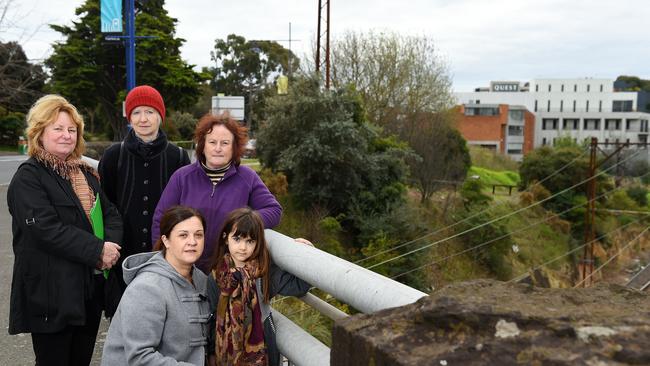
(55, 249)
(134, 175)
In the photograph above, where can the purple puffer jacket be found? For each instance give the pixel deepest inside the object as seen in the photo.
(240, 187)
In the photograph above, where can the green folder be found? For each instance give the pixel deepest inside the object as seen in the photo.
(97, 221)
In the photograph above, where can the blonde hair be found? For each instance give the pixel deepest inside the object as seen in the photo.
(44, 112)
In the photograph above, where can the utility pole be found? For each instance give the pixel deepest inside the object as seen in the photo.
(590, 214)
(319, 42)
(588, 254)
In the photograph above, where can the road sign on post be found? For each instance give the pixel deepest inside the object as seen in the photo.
(232, 104)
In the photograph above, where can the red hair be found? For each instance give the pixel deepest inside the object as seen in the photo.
(205, 126)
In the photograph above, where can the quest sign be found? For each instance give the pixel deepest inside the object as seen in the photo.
(504, 87)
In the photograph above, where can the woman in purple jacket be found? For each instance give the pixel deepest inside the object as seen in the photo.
(217, 184)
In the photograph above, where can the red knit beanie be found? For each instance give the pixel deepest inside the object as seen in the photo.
(144, 95)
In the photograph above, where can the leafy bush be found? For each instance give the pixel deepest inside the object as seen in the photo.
(639, 195)
(472, 193)
(489, 159)
(276, 182)
(185, 124)
(483, 244)
(12, 125)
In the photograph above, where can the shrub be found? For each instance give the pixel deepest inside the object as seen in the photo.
(276, 182)
(639, 195)
(12, 125)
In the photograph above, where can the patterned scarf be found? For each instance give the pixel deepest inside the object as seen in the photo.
(71, 170)
(240, 332)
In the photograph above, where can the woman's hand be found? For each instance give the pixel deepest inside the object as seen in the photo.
(110, 254)
(304, 241)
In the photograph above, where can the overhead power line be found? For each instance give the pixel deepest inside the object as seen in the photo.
(498, 218)
(467, 250)
(523, 275)
(472, 216)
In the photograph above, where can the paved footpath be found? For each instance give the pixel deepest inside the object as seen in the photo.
(17, 349)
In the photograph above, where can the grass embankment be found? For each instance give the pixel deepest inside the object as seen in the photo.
(489, 177)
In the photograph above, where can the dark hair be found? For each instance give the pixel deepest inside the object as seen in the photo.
(171, 218)
(205, 126)
(245, 222)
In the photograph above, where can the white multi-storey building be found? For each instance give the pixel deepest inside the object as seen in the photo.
(577, 108)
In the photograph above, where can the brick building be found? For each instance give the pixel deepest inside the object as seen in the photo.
(507, 129)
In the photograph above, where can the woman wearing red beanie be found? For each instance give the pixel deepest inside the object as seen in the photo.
(135, 171)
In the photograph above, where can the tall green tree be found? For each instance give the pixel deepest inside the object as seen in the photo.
(334, 159)
(90, 71)
(442, 153)
(249, 68)
(21, 82)
(398, 76)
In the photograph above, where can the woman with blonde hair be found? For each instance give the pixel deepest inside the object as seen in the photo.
(57, 283)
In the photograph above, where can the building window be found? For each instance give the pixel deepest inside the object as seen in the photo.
(549, 87)
(606, 142)
(535, 106)
(622, 106)
(600, 104)
(549, 124)
(514, 151)
(516, 115)
(601, 88)
(574, 105)
(588, 88)
(562, 87)
(548, 105)
(587, 107)
(575, 87)
(591, 124)
(561, 105)
(515, 130)
(612, 124)
(544, 141)
(570, 124)
(536, 87)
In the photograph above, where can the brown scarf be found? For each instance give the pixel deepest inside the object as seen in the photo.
(240, 331)
(71, 170)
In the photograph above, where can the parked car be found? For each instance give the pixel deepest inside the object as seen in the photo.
(250, 151)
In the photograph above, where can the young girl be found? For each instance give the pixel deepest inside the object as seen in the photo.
(247, 280)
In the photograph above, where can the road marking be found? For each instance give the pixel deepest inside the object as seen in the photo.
(7, 159)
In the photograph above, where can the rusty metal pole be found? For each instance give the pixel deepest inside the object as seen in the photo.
(327, 49)
(588, 254)
(320, 8)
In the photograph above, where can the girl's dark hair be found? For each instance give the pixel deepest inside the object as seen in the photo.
(245, 222)
(205, 126)
(171, 218)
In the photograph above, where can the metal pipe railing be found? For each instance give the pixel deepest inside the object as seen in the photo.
(300, 347)
(323, 307)
(363, 289)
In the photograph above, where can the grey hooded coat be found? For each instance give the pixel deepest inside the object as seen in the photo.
(162, 319)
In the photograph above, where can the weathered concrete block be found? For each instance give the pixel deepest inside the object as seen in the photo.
(494, 323)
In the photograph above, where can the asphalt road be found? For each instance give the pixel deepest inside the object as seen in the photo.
(17, 349)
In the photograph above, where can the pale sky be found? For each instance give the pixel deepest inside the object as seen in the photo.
(482, 40)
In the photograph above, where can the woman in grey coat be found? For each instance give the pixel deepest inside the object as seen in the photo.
(164, 315)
